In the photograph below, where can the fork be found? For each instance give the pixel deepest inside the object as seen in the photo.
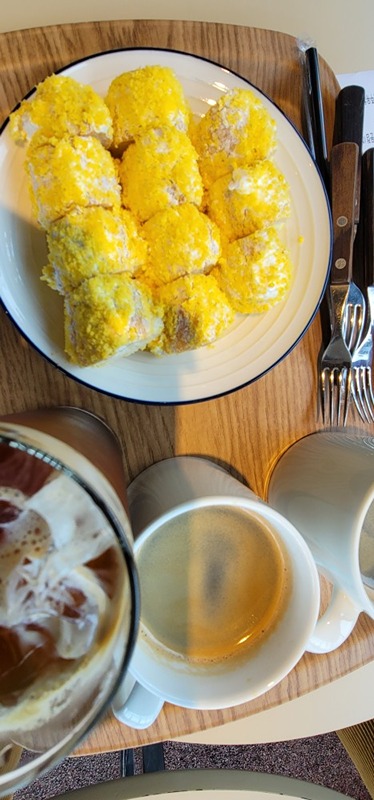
(362, 390)
(336, 361)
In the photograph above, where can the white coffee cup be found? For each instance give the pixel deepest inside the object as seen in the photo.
(324, 484)
(162, 493)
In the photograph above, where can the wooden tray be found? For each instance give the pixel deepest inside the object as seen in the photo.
(246, 430)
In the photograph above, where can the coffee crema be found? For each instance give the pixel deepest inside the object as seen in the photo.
(214, 583)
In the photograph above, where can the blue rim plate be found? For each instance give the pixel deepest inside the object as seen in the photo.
(255, 343)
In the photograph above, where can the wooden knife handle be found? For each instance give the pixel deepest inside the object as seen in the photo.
(344, 165)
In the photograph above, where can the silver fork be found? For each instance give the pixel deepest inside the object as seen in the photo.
(336, 361)
(362, 389)
(354, 318)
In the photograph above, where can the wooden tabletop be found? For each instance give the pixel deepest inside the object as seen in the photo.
(247, 429)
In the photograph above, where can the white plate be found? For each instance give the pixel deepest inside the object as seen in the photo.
(254, 344)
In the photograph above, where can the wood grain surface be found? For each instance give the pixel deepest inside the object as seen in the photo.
(247, 430)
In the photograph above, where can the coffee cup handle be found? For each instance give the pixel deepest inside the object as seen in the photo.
(140, 708)
(335, 624)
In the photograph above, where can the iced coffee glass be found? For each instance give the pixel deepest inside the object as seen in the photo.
(68, 586)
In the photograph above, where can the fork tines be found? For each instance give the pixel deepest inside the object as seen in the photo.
(336, 362)
(335, 394)
(362, 393)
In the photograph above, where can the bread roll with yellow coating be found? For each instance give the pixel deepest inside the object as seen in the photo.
(61, 106)
(195, 313)
(238, 130)
(181, 241)
(69, 173)
(159, 170)
(249, 198)
(92, 241)
(148, 97)
(255, 272)
(109, 315)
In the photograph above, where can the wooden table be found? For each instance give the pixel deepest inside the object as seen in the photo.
(247, 429)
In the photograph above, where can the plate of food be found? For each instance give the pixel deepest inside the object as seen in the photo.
(165, 235)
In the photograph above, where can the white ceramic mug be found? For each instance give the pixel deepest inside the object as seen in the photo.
(162, 493)
(324, 484)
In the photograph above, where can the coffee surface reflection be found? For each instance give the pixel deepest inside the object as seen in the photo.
(214, 583)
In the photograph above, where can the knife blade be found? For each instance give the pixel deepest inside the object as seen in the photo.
(368, 200)
(314, 111)
(364, 243)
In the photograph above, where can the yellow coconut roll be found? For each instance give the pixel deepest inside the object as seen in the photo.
(159, 170)
(61, 106)
(92, 241)
(109, 315)
(181, 241)
(237, 131)
(249, 198)
(148, 97)
(195, 312)
(255, 272)
(70, 173)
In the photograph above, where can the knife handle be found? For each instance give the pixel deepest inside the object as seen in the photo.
(367, 204)
(343, 164)
(349, 126)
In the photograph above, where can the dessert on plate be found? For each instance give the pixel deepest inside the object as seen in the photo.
(236, 131)
(158, 170)
(69, 173)
(109, 315)
(181, 241)
(92, 241)
(195, 313)
(249, 198)
(255, 271)
(148, 97)
(61, 106)
(159, 229)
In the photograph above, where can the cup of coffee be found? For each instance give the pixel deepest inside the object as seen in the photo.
(229, 592)
(324, 484)
(68, 585)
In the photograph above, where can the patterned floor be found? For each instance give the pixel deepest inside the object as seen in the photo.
(320, 759)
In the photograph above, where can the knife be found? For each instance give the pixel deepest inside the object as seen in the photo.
(314, 114)
(362, 359)
(349, 126)
(368, 199)
(364, 244)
